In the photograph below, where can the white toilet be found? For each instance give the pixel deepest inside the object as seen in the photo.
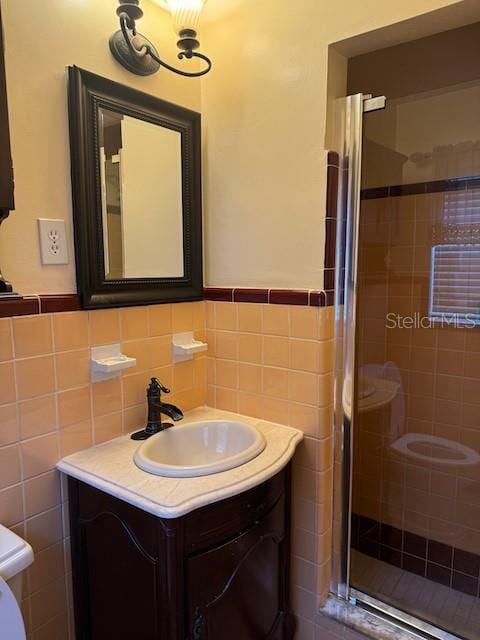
(15, 556)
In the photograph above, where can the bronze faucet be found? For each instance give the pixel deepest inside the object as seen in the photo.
(155, 410)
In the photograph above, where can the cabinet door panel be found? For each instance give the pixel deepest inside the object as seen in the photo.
(122, 582)
(235, 590)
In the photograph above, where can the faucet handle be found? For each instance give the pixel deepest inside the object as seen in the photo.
(157, 385)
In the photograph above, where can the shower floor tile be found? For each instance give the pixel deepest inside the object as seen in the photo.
(456, 612)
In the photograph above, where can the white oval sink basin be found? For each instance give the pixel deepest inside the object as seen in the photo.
(199, 449)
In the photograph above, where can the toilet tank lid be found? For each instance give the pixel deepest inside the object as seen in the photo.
(15, 553)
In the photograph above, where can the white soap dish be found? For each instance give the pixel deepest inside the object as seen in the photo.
(108, 361)
(185, 346)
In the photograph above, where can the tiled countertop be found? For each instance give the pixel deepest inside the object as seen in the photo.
(110, 468)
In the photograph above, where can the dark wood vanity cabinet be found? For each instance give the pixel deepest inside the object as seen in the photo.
(217, 573)
(6, 167)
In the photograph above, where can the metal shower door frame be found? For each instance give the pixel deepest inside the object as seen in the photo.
(349, 114)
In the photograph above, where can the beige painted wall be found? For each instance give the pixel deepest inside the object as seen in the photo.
(264, 109)
(42, 39)
(264, 106)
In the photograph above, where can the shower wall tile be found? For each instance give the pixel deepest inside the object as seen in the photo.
(437, 369)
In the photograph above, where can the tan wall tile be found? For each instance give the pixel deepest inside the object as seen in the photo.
(134, 323)
(303, 387)
(226, 399)
(44, 530)
(42, 493)
(226, 316)
(250, 378)
(227, 374)
(6, 340)
(141, 351)
(182, 317)
(74, 406)
(10, 472)
(11, 505)
(107, 427)
(305, 355)
(37, 416)
(104, 326)
(275, 382)
(226, 345)
(276, 351)
(9, 431)
(70, 330)
(48, 602)
(135, 417)
(7, 383)
(304, 322)
(73, 369)
(183, 373)
(134, 389)
(107, 397)
(250, 404)
(39, 454)
(250, 348)
(275, 410)
(250, 318)
(160, 319)
(160, 350)
(275, 320)
(48, 566)
(32, 335)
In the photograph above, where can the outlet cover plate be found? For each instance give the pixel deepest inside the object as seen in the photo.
(53, 241)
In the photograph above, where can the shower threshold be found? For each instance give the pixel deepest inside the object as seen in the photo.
(416, 626)
(435, 609)
(379, 621)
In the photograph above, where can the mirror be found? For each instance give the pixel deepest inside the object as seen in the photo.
(136, 193)
(139, 208)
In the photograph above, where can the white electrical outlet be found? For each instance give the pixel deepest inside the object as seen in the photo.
(53, 241)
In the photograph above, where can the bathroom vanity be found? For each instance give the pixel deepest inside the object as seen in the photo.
(181, 558)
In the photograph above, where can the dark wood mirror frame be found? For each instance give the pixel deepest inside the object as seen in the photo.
(87, 94)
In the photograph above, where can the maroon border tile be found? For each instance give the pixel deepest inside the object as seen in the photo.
(333, 159)
(251, 295)
(329, 298)
(218, 294)
(317, 299)
(300, 297)
(416, 188)
(436, 561)
(58, 303)
(332, 191)
(23, 307)
(374, 193)
(407, 189)
(329, 279)
(288, 296)
(330, 242)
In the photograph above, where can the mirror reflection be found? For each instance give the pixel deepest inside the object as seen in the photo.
(142, 204)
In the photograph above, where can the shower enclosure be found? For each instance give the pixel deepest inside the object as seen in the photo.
(407, 384)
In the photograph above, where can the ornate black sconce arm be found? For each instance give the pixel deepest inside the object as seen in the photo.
(137, 54)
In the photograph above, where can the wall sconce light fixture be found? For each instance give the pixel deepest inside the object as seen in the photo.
(137, 54)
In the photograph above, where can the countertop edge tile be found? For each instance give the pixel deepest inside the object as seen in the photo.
(110, 468)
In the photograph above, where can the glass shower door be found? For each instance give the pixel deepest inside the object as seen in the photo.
(414, 432)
